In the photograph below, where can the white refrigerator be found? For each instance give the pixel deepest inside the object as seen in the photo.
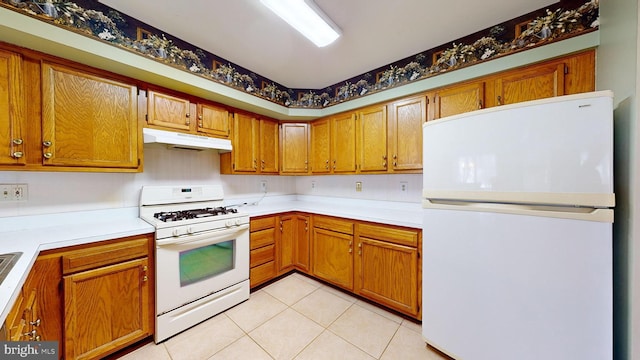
(517, 231)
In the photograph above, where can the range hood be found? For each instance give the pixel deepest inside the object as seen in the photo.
(176, 140)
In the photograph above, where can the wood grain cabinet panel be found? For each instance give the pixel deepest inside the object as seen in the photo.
(255, 146)
(343, 143)
(167, 111)
(320, 157)
(294, 148)
(537, 82)
(387, 266)
(372, 139)
(213, 120)
(458, 99)
(332, 254)
(88, 121)
(405, 133)
(106, 308)
(12, 116)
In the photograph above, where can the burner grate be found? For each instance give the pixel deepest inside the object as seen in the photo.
(168, 216)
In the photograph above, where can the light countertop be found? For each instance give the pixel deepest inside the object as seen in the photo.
(32, 234)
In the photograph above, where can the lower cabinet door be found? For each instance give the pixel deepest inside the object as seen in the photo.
(332, 257)
(388, 274)
(106, 309)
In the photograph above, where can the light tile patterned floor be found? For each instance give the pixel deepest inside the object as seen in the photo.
(296, 318)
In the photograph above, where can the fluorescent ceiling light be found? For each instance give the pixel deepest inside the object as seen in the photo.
(306, 17)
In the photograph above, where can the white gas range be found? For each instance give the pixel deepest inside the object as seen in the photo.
(202, 254)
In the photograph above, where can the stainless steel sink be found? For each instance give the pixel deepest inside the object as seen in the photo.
(6, 263)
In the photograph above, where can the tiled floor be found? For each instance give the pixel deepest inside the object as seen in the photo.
(296, 318)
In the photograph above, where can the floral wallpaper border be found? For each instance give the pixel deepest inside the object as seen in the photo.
(555, 25)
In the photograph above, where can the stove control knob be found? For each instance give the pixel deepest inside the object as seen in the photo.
(238, 222)
(176, 232)
(229, 223)
(189, 230)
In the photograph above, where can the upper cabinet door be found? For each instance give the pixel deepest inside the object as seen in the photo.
(294, 148)
(320, 146)
(458, 99)
(405, 133)
(88, 121)
(372, 139)
(12, 117)
(168, 111)
(269, 146)
(343, 143)
(537, 82)
(213, 120)
(245, 143)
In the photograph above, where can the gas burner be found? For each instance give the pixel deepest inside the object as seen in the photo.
(168, 216)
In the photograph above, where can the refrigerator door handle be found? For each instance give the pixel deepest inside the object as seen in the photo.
(562, 212)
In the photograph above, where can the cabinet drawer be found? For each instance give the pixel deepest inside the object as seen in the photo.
(262, 273)
(262, 238)
(333, 224)
(395, 235)
(102, 255)
(262, 223)
(262, 255)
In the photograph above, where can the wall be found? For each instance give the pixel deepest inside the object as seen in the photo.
(53, 192)
(617, 69)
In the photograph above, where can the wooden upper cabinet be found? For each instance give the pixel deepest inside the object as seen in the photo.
(458, 99)
(536, 82)
(255, 146)
(320, 157)
(168, 111)
(372, 139)
(294, 148)
(268, 140)
(245, 143)
(87, 120)
(213, 120)
(12, 116)
(343, 143)
(405, 133)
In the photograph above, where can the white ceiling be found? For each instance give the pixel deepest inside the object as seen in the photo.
(374, 32)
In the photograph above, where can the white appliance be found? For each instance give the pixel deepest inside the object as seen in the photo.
(517, 231)
(201, 257)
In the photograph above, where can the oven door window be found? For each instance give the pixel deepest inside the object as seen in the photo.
(206, 262)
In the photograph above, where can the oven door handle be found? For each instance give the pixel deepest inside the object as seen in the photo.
(205, 238)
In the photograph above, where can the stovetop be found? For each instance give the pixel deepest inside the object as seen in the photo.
(168, 216)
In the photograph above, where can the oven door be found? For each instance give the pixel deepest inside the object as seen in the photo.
(189, 267)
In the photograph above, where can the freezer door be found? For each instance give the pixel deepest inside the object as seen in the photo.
(552, 151)
(502, 286)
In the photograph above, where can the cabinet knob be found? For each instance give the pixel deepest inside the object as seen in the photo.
(31, 334)
(46, 143)
(35, 323)
(384, 157)
(384, 164)
(499, 100)
(17, 141)
(145, 268)
(47, 155)
(200, 117)
(145, 278)
(18, 154)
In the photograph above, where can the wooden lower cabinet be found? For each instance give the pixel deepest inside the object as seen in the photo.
(387, 264)
(262, 244)
(332, 251)
(94, 299)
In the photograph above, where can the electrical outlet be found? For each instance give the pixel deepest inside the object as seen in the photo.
(14, 192)
(263, 186)
(404, 186)
(358, 185)
(313, 185)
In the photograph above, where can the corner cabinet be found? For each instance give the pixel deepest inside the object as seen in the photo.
(87, 120)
